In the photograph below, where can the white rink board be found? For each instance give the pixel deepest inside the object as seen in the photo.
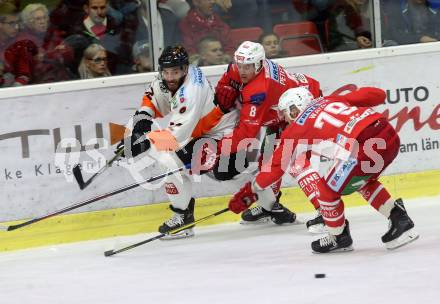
(235, 264)
(30, 124)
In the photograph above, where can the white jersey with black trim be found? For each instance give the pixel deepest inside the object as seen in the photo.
(191, 111)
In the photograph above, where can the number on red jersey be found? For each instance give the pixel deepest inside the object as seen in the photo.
(337, 108)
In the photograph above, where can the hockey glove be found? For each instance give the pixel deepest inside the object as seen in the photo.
(136, 146)
(225, 97)
(141, 125)
(139, 144)
(243, 199)
(142, 122)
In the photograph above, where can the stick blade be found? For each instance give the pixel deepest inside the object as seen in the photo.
(78, 176)
(109, 253)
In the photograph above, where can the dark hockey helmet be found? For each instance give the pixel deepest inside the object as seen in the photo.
(173, 56)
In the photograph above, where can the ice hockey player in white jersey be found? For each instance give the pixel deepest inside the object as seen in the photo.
(182, 93)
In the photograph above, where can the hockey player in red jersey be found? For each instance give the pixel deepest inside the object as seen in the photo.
(258, 83)
(361, 143)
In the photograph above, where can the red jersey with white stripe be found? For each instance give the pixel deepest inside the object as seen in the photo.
(260, 96)
(332, 122)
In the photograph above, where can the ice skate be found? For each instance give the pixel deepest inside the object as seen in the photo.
(316, 224)
(279, 215)
(401, 228)
(255, 215)
(180, 218)
(334, 243)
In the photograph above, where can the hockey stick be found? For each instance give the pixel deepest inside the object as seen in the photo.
(78, 175)
(159, 236)
(91, 200)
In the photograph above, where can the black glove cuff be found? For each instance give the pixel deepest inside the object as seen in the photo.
(141, 147)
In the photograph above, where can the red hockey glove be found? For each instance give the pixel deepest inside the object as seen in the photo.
(225, 97)
(243, 199)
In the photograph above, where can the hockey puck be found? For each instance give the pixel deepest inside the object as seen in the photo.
(319, 275)
(108, 253)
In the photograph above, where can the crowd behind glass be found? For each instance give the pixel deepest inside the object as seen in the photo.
(56, 40)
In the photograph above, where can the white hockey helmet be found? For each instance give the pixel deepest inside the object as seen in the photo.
(299, 97)
(250, 53)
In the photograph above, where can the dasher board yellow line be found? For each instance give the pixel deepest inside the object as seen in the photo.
(147, 218)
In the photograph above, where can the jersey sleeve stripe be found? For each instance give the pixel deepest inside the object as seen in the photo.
(207, 122)
(147, 103)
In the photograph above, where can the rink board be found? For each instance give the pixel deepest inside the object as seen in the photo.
(143, 219)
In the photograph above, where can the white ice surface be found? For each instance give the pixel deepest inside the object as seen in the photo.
(235, 264)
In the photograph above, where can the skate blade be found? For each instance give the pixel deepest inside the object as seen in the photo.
(187, 233)
(297, 221)
(406, 238)
(317, 229)
(261, 221)
(345, 249)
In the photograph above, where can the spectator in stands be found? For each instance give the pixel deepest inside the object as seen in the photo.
(210, 52)
(94, 62)
(141, 57)
(342, 24)
(51, 53)
(238, 14)
(100, 28)
(200, 22)
(9, 27)
(170, 14)
(271, 44)
(316, 11)
(68, 16)
(123, 10)
(143, 27)
(363, 36)
(313, 10)
(97, 22)
(128, 9)
(261, 13)
(9, 6)
(224, 5)
(411, 21)
(277, 11)
(349, 25)
(16, 54)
